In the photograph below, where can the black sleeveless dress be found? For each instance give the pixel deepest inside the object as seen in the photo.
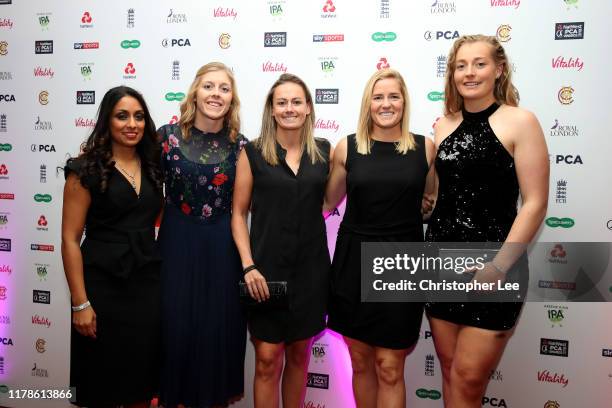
(121, 270)
(289, 243)
(384, 194)
(477, 202)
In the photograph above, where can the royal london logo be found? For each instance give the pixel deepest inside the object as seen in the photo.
(566, 95)
(442, 7)
(176, 18)
(558, 129)
(42, 124)
(503, 33)
(39, 372)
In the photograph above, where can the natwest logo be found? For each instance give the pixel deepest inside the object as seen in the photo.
(43, 72)
(84, 122)
(547, 376)
(41, 321)
(328, 10)
(129, 71)
(42, 223)
(558, 255)
(86, 45)
(226, 12)
(270, 66)
(561, 62)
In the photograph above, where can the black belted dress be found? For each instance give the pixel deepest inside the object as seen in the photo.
(121, 272)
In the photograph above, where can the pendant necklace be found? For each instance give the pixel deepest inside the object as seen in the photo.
(131, 177)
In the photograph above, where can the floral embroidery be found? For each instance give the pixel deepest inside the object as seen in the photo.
(206, 210)
(219, 179)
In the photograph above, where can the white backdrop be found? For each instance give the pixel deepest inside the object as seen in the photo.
(156, 47)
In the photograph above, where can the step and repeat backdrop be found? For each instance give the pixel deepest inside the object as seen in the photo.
(57, 59)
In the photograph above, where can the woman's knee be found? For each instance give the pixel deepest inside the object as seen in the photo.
(390, 371)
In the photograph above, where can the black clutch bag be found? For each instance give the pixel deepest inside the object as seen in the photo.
(278, 295)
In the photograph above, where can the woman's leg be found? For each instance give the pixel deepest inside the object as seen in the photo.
(365, 384)
(445, 340)
(294, 376)
(268, 368)
(477, 353)
(390, 376)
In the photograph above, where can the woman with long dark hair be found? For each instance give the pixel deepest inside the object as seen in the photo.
(488, 152)
(281, 181)
(204, 328)
(113, 192)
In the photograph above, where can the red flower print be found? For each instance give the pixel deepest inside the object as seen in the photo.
(185, 208)
(166, 147)
(219, 179)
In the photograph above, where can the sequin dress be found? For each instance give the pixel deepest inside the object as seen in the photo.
(477, 202)
(204, 327)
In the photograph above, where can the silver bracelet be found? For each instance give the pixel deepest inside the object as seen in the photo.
(81, 307)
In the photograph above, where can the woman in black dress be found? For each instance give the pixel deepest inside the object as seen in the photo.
(113, 190)
(281, 180)
(383, 169)
(489, 151)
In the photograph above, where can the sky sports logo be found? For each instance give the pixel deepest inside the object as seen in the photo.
(43, 47)
(86, 46)
(606, 352)
(326, 95)
(42, 247)
(85, 97)
(327, 37)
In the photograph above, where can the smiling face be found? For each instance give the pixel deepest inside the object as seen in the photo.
(289, 106)
(475, 71)
(214, 96)
(127, 122)
(387, 106)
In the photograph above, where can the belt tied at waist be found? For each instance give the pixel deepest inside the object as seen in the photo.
(119, 251)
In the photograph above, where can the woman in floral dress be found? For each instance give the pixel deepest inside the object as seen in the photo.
(204, 329)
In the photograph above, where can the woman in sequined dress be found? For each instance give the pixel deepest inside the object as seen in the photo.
(204, 328)
(489, 151)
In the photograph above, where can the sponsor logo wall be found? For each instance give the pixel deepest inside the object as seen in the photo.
(56, 65)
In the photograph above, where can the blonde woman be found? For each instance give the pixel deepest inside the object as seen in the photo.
(383, 170)
(488, 152)
(204, 329)
(281, 180)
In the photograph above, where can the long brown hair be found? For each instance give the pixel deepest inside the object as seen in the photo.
(188, 106)
(504, 91)
(266, 142)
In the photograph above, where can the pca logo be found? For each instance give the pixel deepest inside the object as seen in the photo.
(42, 148)
(43, 47)
(437, 35)
(7, 341)
(125, 44)
(7, 98)
(225, 40)
(43, 98)
(566, 95)
(503, 33)
(3, 48)
(41, 296)
(494, 402)
(326, 95)
(176, 42)
(316, 380)
(554, 347)
(275, 39)
(40, 345)
(85, 97)
(569, 31)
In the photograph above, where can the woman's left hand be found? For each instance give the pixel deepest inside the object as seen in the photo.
(489, 274)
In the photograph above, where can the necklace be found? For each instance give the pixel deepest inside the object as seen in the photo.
(131, 177)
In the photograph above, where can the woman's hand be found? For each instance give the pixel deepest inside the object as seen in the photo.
(258, 288)
(85, 322)
(489, 274)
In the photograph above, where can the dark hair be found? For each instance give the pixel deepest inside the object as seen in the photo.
(96, 163)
